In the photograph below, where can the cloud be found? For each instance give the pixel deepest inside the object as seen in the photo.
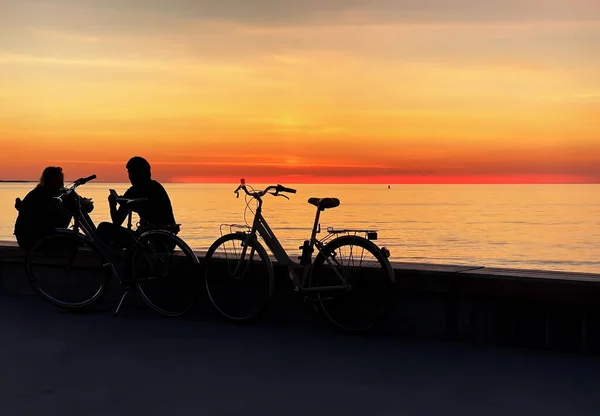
(531, 33)
(179, 66)
(150, 15)
(20, 58)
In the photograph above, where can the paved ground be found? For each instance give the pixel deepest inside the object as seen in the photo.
(53, 363)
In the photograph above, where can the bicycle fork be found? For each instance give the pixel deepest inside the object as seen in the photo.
(243, 259)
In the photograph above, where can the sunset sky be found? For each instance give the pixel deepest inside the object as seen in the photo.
(302, 91)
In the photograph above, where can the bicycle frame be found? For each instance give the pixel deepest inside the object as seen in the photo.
(261, 227)
(83, 224)
(82, 221)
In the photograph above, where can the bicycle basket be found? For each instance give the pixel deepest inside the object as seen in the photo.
(239, 227)
(69, 205)
(87, 205)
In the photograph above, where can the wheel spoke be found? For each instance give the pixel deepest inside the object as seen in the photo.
(164, 269)
(239, 288)
(369, 275)
(67, 271)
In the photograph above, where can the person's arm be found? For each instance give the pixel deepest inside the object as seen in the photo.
(56, 216)
(118, 213)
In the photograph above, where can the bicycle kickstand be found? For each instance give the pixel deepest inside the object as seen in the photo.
(125, 293)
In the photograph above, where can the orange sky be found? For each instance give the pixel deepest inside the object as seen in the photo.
(313, 91)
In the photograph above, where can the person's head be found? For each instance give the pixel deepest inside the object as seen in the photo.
(52, 179)
(138, 169)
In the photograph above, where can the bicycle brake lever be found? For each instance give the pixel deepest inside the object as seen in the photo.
(278, 194)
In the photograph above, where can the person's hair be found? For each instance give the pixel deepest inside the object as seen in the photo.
(138, 164)
(49, 173)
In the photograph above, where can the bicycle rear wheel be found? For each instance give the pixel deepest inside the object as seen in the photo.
(67, 270)
(165, 272)
(362, 264)
(240, 288)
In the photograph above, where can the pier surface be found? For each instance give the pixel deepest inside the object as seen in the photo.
(469, 303)
(55, 363)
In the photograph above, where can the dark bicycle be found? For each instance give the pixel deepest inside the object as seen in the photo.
(71, 268)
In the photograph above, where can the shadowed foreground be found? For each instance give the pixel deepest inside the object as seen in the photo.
(55, 363)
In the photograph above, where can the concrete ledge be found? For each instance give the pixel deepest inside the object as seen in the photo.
(531, 308)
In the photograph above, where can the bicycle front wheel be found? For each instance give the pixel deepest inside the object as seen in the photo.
(67, 270)
(361, 264)
(239, 286)
(165, 272)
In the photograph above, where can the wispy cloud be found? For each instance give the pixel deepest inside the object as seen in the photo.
(137, 14)
(62, 35)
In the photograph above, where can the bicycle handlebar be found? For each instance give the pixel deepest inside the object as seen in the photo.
(81, 181)
(284, 189)
(258, 194)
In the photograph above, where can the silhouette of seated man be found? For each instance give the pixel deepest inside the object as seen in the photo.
(39, 213)
(156, 211)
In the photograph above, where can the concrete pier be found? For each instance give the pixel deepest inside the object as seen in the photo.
(65, 364)
(507, 307)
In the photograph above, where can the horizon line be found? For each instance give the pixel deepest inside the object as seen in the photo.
(339, 183)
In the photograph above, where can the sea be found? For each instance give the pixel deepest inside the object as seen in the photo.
(548, 227)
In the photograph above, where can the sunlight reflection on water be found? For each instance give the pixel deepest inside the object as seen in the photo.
(554, 227)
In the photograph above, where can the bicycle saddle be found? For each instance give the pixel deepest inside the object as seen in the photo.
(324, 203)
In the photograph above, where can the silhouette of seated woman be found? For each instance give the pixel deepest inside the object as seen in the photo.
(156, 211)
(39, 213)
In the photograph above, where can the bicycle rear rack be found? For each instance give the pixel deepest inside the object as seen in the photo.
(369, 234)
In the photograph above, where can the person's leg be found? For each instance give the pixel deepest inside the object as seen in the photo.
(115, 235)
(159, 241)
(23, 242)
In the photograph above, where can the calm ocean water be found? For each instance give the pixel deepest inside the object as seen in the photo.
(553, 227)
